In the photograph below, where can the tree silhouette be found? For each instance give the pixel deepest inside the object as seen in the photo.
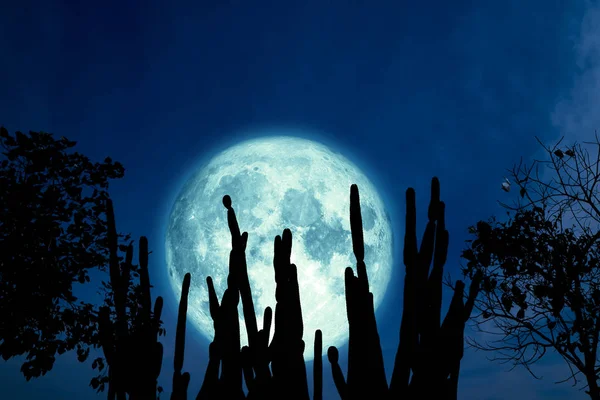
(52, 233)
(565, 185)
(540, 291)
(540, 288)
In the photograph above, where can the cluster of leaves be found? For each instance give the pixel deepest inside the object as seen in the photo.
(52, 233)
(540, 286)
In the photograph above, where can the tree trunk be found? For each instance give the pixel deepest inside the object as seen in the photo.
(593, 390)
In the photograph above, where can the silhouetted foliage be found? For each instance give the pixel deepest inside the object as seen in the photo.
(52, 233)
(540, 291)
(541, 282)
(63, 236)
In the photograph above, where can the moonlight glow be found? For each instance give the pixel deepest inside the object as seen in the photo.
(277, 183)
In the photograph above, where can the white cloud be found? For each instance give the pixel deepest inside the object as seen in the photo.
(576, 115)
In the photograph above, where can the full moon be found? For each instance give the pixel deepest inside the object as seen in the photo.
(277, 183)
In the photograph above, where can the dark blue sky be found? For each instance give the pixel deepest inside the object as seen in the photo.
(406, 90)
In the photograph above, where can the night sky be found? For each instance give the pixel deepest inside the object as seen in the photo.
(455, 89)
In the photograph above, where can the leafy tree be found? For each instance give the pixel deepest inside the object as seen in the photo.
(53, 232)
(540, 289)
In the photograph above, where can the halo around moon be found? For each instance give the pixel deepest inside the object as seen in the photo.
(277, 183)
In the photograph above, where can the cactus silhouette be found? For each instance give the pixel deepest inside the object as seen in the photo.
(224, 351)
(318, 366)
(432, 352)
(287, 348)
(270, 371)
(181, 380)
(427, 361)
(132, 350)
(366, 374)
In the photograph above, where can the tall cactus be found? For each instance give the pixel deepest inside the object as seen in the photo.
(318, 366)
(132, 351)
(181, 380)
(287, 348)
(287, 376)
(432, 352)
(225, 351)
(366, 374)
